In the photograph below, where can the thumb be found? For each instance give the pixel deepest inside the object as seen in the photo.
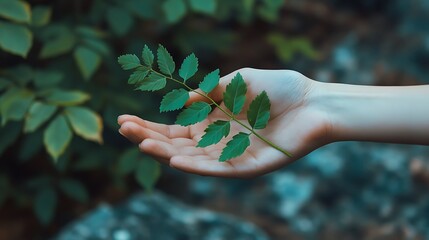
(216, 94)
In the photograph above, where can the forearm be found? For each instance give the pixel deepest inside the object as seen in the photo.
(372, 113)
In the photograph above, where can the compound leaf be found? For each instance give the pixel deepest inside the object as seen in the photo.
(235, 94)
(152, 83)
(235, 147)
(174, 100)
(129, 61)
(259, 111)
(165, 61)
(210, 81)
(195, 113)
(189, 67)
(214, 133)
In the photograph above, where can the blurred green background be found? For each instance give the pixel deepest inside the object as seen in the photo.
(61, 91)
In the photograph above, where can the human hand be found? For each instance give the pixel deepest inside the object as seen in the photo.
(296, 125)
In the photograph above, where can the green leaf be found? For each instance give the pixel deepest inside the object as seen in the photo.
(38, 114)
(15, 39)
(62, 43)
(214, 133)
(18, 11)
(174, 100)
(57, 136)
(45, 204)
(129, 61)
(147, 56)
(74, 189)
(128, 161)
(41, 16)
(66, 98)
(259, 111)
(45, 79)
(189, 67)
(174, 10)
(87, 60)
(147, 173)
(4, 83)
(235, 147)
(85, 123)
(138, 76)
(165, 61)
(235, 94)
(152, 83)
(119, 20)
(206, 6)
(195, 113)
(14, 104)
(210, 81)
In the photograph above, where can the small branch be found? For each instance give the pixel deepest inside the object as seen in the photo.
(213, 102)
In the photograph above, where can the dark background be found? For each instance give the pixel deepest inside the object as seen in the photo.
(342, 191)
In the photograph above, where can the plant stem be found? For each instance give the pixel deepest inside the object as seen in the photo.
(226, 113)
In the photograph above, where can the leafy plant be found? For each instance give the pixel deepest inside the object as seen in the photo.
(146, 78)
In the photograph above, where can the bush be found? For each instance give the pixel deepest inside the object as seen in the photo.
(61, 89)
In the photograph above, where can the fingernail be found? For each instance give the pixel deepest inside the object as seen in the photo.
(119, 118)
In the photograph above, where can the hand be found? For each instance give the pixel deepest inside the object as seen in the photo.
(296, 125)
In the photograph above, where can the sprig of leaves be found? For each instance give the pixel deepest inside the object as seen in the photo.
(146, 78)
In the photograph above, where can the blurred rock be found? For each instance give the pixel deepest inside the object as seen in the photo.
(158, 217)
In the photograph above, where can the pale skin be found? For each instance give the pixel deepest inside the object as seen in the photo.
(305, 115)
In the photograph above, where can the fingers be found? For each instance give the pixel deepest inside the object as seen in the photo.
(170, 131)
(167, 150)
(136, 134)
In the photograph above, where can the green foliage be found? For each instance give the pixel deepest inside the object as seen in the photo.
(287, 48)
(129, 61)
(74, 189)
(174, 100)
(189, 67)
(210, 81)
(85, 123)
(174, 10)
(207, 7)
(57, 136)
(154, 82)
(15, 38)
(38, 114)
(147, 173)
(235, 95)
(214, 133)
(45, 204)
(234, 99)
(165, 61)
(195, 113)
(235, 147)
(18, 11)
(259, 111)
(58, 79)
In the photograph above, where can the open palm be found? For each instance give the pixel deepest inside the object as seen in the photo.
(295, 125)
